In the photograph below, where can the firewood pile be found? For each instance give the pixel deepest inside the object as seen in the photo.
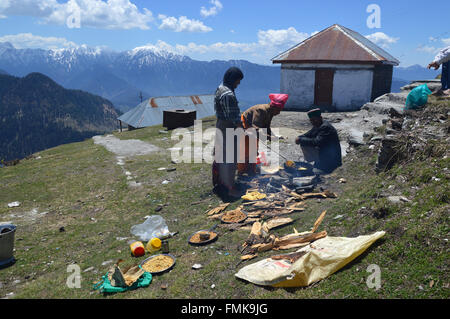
(260, 239)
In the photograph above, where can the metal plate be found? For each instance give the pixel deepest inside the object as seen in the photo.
(203, 242)
(162, 271)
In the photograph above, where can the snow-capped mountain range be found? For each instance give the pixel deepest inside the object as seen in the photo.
(122, 76)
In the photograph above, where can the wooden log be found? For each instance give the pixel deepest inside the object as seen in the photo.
(318, 221)
(218, 209)
(300, 239)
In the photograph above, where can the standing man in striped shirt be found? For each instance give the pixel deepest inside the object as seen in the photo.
(228, 117)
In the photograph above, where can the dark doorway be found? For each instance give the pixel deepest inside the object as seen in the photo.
(323, 88)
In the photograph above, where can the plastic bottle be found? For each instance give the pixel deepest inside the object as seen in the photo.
(154, 245)
(137, 248)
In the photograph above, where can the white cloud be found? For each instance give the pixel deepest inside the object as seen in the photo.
(283, 37)
(214, 10)
(382, 39)
(110, 14)
(182, 24)
(427, 49)
(30, 41)
(269, 44)
(446, 41)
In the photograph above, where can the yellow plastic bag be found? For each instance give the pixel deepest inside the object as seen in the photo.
(323, 258)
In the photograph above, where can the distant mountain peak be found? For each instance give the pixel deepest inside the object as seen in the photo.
(152, 50)
(6, 45)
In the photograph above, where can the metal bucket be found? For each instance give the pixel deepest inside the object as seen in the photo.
(6, 243)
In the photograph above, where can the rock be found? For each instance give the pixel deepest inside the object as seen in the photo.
(433, 85)
(398, 199)
(376, 138)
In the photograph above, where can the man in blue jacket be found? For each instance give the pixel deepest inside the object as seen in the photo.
(321, 144)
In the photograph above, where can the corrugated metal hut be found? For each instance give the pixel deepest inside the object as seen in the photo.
(151, 111)
(336, 69)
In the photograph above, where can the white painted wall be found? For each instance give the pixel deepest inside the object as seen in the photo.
(299, 84)
(352, 89)
(352, 85)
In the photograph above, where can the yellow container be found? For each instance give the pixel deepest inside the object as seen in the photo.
(154, 245)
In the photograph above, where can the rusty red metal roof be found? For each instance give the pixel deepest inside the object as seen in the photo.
(336, 44)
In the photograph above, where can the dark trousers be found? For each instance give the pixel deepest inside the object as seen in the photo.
(445, 76)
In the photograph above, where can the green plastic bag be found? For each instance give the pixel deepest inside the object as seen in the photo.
(417, 97)
(106, 287)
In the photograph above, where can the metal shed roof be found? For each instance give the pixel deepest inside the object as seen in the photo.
(150, 111)
(336, 44)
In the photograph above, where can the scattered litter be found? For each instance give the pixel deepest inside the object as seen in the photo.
(171, 169)
(161, 169)
(342, 180)
(338, 216)
(107, 262)
(14, 204)
(197, 266)
(213, 286)
(165, 182)
(154, 226)
(164, 132)
(89, 269)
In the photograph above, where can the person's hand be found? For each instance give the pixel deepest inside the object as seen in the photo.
(434, 65)
(297, 140)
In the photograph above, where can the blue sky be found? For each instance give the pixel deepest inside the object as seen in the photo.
(412, 31)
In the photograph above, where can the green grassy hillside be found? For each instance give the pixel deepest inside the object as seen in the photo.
(80, 187)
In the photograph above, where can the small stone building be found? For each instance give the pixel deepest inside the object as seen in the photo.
(336, 69)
